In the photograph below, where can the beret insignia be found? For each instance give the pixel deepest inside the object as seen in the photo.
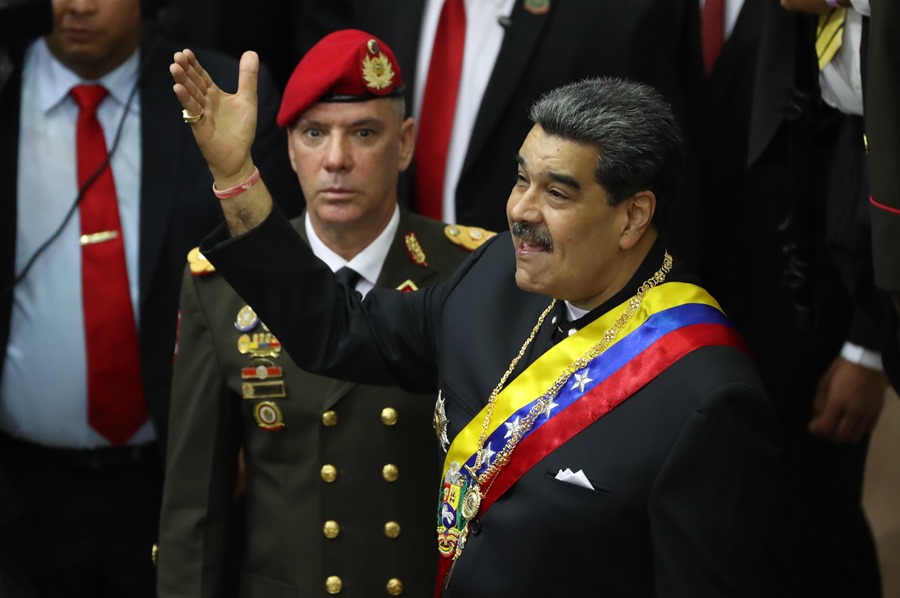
(376, 70)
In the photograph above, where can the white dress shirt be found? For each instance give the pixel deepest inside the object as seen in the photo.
(43, 396)
(484, 35)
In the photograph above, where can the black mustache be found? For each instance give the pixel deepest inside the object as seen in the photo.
(532, 234)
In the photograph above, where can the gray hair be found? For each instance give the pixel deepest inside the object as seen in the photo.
(631, 125)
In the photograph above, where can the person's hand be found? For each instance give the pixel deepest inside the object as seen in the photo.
(848, 402)
(226, 129)
(817, 7)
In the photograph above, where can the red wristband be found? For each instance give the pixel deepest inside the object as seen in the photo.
(237, 189)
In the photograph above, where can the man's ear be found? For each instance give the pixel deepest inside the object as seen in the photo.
(639, 211)
(407, 142)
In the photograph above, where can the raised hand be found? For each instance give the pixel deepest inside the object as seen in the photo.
(224, 126)
(227, 123)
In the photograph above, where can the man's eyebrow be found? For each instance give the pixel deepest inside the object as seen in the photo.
(565, 179)
(367, 121)
(559, 177)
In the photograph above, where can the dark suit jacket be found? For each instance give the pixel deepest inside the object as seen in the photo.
(640, 39)
(685, 468)
(778, 205)
(883, 131)
(748, 219)
(177, 207)
(326, 421)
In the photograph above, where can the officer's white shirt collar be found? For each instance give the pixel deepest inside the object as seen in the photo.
(367, 262)
(56, 81)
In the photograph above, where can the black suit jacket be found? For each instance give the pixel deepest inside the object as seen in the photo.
(640, 39)
(177, 206)
(685, 468)
(883, 130)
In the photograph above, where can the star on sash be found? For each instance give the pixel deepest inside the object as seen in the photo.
(486, 454)
(581, 380)
(549, 407)
(511, 427)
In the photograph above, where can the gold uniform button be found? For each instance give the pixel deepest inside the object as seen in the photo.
(392, 529)
(333, 584)
(329, 473)
(389, 416)
(329, 419)
(394, 587)
(331, 529)
(390, 472)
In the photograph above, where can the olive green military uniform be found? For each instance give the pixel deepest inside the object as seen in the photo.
(341, 478)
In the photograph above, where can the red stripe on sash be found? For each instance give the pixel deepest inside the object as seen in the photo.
(604, 397)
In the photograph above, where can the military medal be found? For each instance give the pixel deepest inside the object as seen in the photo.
(260, 344)
(471, 503)
(440, 421)
(268, 416)
(246, 319)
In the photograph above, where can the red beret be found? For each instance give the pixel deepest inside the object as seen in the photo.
(345, 66)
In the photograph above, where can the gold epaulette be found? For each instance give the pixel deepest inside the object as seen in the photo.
(469, 237)
(200, 266)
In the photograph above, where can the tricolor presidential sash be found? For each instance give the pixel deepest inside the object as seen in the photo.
(673, 320)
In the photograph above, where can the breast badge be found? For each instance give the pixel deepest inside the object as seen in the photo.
(246, 319)
(268, 416)
(261, 378)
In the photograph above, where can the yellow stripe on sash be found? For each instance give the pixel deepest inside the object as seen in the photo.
(543, 372)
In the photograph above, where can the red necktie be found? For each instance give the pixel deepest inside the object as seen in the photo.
(712, 30)
(116, 407)
(438, 108)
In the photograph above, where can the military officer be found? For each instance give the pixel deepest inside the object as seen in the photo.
(340, 477)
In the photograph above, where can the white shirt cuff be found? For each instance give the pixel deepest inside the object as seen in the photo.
(862, 356)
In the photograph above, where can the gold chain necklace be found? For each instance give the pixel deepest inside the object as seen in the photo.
(474, 495)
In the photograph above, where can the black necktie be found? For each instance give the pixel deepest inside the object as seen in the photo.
(348, 277)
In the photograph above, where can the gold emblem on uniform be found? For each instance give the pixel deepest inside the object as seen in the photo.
(260, 344)
(414, 249)
(376, 69)
(268, 416)
(246, 319)
(407, 286)
(198, 264)
(440, 421)
(469, 237)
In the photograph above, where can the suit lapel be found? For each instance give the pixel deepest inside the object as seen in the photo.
(519, 42)
(10, 99)
(738, 51)
(160, 169)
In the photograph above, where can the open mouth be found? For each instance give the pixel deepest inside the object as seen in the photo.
(531, 239)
